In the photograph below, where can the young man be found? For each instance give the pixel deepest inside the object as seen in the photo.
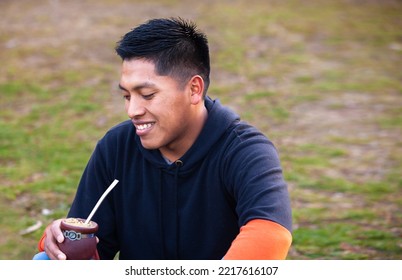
(194, 181)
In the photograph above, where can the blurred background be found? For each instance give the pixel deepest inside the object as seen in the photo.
(322, 79)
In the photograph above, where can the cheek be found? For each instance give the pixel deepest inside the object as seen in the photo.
(170, 119)
(171, 110)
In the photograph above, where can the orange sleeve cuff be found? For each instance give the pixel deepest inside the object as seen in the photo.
(260, 240)
(41, 243)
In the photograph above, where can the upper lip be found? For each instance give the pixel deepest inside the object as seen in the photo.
(141, 122)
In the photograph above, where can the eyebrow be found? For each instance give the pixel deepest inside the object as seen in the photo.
(139, 87)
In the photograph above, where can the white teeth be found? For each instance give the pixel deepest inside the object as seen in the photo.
(143, 126)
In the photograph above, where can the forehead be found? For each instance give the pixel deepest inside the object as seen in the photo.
(138, 67)
(135, 72)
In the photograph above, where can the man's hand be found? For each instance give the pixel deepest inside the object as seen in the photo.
(54, 237)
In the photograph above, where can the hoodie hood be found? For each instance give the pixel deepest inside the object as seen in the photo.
(220, 118)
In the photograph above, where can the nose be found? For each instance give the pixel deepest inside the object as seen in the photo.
(134, 108)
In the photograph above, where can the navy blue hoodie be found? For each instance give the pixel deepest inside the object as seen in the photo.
(190, 209)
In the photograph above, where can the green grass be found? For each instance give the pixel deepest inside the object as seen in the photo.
(321, 78)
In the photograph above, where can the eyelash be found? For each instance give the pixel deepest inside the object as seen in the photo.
(146, 97)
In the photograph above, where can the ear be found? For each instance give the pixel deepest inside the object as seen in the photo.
(196, 89)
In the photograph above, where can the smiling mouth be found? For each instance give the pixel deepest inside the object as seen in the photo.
(144, 126)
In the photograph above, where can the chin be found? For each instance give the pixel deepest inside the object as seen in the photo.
(149, 146)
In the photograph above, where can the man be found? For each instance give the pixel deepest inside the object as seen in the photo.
(194, 181)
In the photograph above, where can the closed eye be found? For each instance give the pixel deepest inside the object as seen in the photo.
(148, 96)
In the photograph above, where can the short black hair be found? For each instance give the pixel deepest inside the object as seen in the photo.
(174, 45)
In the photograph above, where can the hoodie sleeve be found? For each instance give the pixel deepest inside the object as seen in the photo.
(254, 177)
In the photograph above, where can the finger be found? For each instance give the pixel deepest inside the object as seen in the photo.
(56, 231)
(54, 236)
(61, 256)
(53, 251)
